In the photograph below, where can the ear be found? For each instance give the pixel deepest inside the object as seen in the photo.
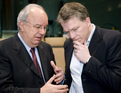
(88, 21)
(21, 25)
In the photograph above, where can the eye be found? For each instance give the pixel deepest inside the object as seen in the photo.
(75, 29)
(36, 26)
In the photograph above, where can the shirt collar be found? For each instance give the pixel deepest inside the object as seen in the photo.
(26, 46)
(90, 37)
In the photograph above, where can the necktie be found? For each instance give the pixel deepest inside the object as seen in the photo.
(36, 63)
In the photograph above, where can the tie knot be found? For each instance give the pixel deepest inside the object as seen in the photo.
(32, 50)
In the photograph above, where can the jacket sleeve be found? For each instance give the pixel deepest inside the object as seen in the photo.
(105, 67)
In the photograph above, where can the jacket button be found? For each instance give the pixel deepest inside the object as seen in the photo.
(83, 79)
(89, 71)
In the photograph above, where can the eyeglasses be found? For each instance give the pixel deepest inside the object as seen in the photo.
(37, 26)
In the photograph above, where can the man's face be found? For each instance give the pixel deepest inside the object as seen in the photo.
(77, 30)
(34, 28)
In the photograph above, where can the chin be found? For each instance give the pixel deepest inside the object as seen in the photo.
(37, 42)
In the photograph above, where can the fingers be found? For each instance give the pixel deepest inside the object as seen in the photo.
(62, 88)
(59, 73)
(59, 77)
(78, 45)
(54, 66)
(50, 88)
(58, 80)
(56, 69)
(51, 79)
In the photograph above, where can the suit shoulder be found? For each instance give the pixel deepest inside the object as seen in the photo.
(108, 33)
(45, 45)
(6, 42)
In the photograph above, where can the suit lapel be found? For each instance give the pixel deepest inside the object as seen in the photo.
(69, 50)
(95, 41)
(23, 55)
(43, 60)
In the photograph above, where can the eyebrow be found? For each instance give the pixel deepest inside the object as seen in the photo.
(41, 25)
(72, 29)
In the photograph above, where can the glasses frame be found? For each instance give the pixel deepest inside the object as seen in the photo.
(37, 26)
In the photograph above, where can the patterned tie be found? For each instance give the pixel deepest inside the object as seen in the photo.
(36, 63)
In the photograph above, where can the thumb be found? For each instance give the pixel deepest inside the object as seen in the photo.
(53, 65)
(51, 79)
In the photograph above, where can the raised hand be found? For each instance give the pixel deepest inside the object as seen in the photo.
(81, 51)
(59, 73)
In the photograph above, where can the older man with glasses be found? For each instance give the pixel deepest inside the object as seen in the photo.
(27, 64)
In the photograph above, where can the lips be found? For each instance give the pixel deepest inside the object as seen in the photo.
(38, 38)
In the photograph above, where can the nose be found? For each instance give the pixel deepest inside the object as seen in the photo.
(42, 31)
(72, 35)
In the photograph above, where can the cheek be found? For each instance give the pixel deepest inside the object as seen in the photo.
(30, 34)
(82, 33)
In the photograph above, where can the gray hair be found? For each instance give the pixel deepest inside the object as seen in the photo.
(72, 9)
(22, 16)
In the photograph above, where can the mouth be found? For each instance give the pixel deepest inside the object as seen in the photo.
(39, 38)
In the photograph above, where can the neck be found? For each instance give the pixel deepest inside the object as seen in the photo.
(90, 30)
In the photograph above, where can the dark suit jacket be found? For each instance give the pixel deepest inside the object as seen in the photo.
(102, 74)
(18, 73)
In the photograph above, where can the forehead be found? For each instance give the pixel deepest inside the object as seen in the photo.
(70, 24)
(38, 15)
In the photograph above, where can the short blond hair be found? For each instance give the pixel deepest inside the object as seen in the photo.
(72, 9)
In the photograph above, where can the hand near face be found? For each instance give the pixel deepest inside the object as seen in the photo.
(59, 73)
(81, 51)
(50, 88)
